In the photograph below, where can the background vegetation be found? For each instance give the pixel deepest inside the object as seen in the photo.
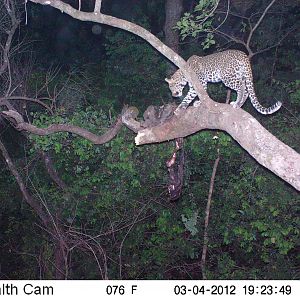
(114, 197)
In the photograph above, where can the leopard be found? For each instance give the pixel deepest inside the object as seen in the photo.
(232, 67)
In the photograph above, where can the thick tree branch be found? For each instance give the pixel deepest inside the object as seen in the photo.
(20, 124)
(264, 147)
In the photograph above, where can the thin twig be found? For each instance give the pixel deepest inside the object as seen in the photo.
(258, 22)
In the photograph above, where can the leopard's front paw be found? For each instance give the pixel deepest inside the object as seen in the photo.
(234, 104)
(179, 110)
(197, 103)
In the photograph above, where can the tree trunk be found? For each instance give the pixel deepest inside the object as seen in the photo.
(59, 261)
(173, 10)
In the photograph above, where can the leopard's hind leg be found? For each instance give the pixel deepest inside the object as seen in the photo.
(242, 94)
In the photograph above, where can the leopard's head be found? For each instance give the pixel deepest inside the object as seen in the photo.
(176, 83)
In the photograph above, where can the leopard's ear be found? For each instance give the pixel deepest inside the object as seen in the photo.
(168, 80)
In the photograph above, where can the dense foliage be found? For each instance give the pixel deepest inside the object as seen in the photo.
(116, 193)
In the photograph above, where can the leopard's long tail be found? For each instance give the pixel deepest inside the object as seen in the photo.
(263, 110)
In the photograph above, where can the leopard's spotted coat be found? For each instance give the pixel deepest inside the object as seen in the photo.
(232, 67)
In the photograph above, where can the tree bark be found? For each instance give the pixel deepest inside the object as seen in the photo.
(60, 271)
(54, 128)
(264, 147)
(173, 10)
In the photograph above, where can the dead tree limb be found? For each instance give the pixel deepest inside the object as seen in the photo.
(207, 212)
